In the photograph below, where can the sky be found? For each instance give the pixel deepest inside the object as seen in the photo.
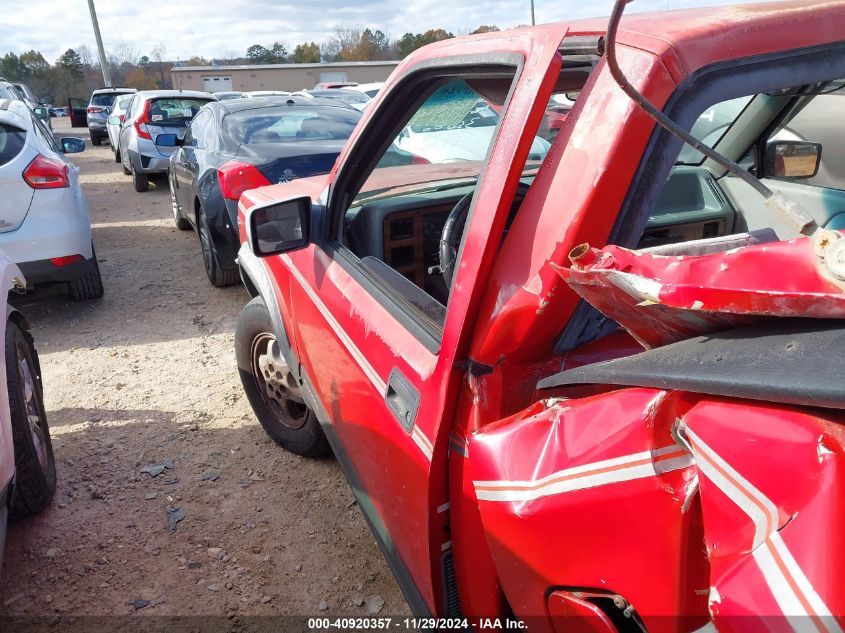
(226, 28)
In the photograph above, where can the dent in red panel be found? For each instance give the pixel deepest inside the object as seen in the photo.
(591, 493)
(772, 487)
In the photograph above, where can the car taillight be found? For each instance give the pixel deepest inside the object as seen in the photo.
(121, 117)
(236, 177)
(419, 160)
(46, 173)
(95, 109)
(141, 123)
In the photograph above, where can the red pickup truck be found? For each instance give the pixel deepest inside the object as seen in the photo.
(592, 384)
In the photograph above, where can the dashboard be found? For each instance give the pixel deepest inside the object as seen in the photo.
(404, 232)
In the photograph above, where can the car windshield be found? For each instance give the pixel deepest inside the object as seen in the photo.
(105, 99)
(711, 126)
(455, 106)
(175, 110)
(286, 124)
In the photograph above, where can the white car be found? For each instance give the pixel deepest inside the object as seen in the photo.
(447, 141)
(115, 120)
(371, 90)
(27, 465)
(45, 227)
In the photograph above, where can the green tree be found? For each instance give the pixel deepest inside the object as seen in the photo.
(407, 44)
(34, 64)
(11, 67)
(257, 54)
(144, 62)
(306, 53)
(70, 65)
(278, 53)
(410, 42)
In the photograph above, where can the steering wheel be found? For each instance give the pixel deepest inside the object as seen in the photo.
(453, 230)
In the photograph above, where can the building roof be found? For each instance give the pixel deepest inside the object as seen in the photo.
(279, 66)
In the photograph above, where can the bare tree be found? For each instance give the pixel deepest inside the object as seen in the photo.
(125, 53)
(157, 55)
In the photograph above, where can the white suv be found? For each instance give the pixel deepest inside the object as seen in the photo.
(45, 227)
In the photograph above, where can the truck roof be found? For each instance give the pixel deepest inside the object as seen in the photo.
(689, 39)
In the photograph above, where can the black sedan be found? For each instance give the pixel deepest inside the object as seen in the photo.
(236, 145)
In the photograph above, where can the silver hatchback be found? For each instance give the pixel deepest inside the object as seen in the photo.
(154, 112)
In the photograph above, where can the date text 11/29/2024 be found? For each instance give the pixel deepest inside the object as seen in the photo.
(410, 624)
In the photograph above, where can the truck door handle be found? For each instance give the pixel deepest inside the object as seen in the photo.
(402, 399)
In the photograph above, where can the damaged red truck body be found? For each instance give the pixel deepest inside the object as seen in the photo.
(592, 384)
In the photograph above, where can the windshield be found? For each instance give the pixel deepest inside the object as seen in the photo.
(105, 99)
(288, 124)
(711, 126)
(173, 110)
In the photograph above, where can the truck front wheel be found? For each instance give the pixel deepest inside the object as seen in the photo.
(270, 386)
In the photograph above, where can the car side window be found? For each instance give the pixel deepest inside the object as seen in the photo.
(195, 136)
(422, 184)
(43, 134)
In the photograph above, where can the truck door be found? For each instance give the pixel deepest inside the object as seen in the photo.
(377, 329)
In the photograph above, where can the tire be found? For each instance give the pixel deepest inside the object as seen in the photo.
(89, 286)
(181, 223)
(218, 277)
(284, 415)
(96, 140)
(35, 465)
(141, 182)
(117, 156)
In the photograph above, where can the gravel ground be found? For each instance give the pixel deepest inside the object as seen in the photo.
(147, 376)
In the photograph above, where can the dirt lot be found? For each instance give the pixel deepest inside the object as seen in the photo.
(145, 375)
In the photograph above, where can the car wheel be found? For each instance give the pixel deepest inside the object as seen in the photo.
(96, 140)
(271, 388)
(141, 182)
(216, 275)
(35, 466)
(89, 286)
(117, 156)
(181, 223)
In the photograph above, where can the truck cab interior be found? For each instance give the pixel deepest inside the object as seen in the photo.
(406, 222)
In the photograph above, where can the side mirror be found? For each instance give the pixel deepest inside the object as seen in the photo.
(792, 159)
(71, 145)
(281, 227)
(41, 112)
(168, 140)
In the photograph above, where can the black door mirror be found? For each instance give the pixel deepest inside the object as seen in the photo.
(792, 159)
(168, 140)
(281, 227)
(71, 145)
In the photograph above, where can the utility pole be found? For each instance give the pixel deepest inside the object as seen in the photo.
(532, 13)
(103, 63)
